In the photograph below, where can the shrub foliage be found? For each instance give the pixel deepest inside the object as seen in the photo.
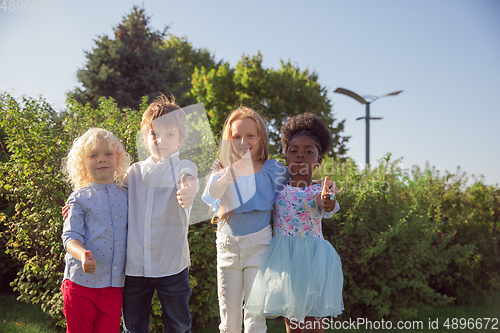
(407, 240)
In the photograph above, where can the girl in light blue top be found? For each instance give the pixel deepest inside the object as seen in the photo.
(242, 195)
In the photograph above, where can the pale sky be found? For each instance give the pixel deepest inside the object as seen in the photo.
(444, 54)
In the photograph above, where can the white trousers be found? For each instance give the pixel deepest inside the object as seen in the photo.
(238, 260)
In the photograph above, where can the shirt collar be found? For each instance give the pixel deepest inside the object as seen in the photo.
(98, 186)
(174, 157)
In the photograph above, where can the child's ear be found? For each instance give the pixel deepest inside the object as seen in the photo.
(319, 160)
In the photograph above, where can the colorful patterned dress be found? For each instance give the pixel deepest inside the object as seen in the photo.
(301, 275)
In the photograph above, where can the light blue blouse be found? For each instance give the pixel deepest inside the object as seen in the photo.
(250, 199)
(97, 217)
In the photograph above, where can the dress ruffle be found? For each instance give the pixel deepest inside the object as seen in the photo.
(299, 277)
(253, 192)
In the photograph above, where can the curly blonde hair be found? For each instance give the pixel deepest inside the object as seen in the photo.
(74, 164)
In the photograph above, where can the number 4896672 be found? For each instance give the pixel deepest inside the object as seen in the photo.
(471, 323)
(27, 5)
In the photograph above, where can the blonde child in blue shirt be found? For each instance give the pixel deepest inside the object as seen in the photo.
(95, 233)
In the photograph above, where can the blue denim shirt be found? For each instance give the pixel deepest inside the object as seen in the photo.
(97, 217)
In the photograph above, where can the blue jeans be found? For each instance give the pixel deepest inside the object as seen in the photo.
(173, 292)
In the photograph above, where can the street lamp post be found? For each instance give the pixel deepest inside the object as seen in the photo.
(366, 100)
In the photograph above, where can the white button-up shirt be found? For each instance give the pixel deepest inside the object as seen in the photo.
(157, 243)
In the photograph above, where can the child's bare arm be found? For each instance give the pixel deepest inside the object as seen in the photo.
(76, 249)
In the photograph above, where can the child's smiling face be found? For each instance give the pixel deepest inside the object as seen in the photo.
(163, 141)
(100, 164)
(302, 156)
(245, 137)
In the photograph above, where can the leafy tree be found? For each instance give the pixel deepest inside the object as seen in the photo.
(188, 59)
(135, 63)
(275, 93)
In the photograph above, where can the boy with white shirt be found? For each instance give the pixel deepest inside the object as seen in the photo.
(161, 192)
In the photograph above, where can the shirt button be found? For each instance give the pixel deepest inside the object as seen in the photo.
(150, 185)
(116, 243)
(115, 268)
(111, 195)
(115, 217)
(240, 240)
(147, 225)
(149, 205)
(147, 246)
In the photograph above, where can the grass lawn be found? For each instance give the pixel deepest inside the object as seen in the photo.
(17, 317)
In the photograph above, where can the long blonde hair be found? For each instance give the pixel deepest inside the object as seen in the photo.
(74, 164)
(226, 148)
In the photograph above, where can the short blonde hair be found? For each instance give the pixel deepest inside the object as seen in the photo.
(226, 147)
(74, 164)
(164, 112)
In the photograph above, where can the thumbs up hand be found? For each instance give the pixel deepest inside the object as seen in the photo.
(89, 264)
(187, 192)
(326, 199)
(230, 175)
(330, 186)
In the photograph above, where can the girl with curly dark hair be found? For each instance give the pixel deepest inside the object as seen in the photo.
(301, 276)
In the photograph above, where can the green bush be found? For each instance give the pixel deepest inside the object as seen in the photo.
(37, 142)
(32, 181)
(407, 242)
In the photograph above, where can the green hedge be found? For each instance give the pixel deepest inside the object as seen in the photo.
(411, 241)
(407, 241)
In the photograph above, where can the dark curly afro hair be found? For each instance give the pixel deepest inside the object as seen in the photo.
(306, 123)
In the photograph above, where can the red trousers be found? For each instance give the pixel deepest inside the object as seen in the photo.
(96, 310)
